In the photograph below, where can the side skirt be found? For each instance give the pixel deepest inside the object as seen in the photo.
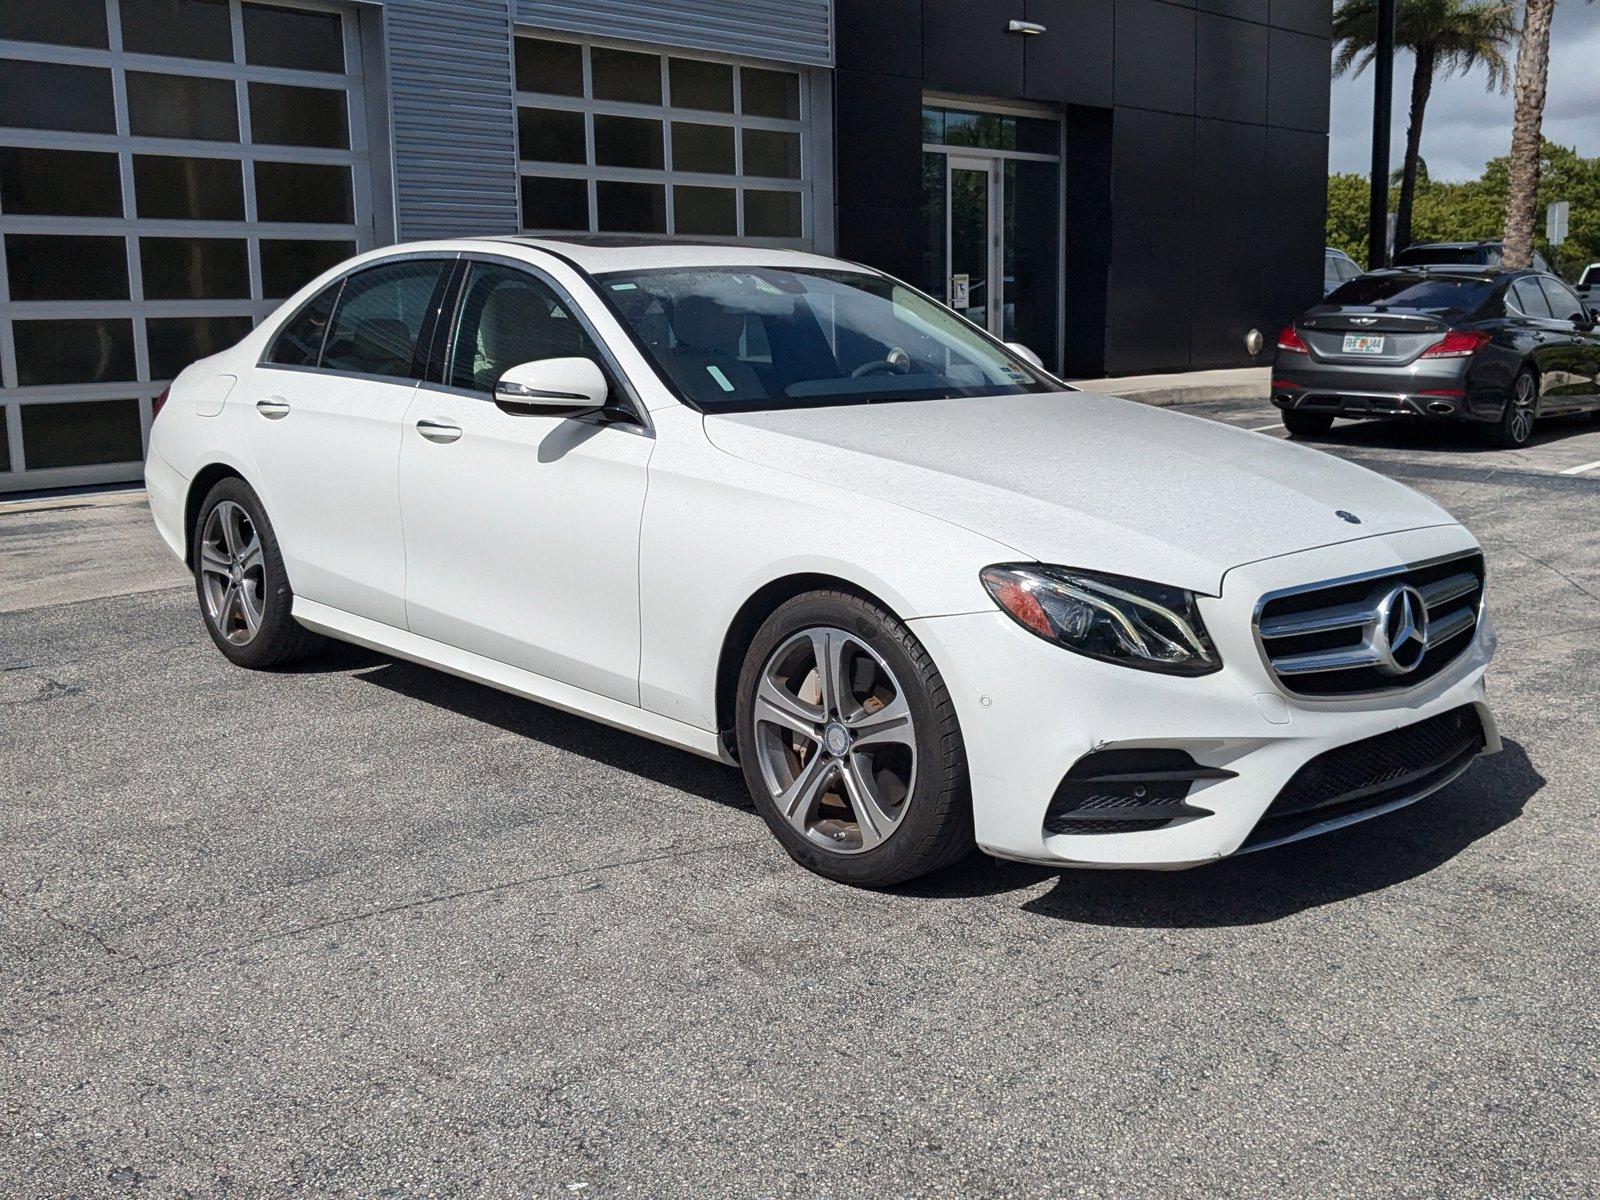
(386, 639)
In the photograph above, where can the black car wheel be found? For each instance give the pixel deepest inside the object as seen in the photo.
(1515, 425)
(1306, 424)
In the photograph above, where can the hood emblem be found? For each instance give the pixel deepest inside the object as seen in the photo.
(1347, 516)
(1363, 320)
(1400, 631)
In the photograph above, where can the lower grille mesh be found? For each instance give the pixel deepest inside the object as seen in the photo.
(1373, 772)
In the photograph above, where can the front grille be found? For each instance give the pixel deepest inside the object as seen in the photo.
(1127, 791)
(1347, 637)
(1395, 766)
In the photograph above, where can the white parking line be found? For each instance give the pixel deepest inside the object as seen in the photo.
(1263, 428)
(1582, 469)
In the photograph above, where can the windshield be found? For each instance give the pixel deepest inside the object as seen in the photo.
(739, 338)
(1429, 294)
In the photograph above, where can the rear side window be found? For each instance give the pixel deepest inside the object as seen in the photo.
(380, 317)
(1528, 296)
(508, 317)
(300, 342)
(1564, 306)
(1453, 297)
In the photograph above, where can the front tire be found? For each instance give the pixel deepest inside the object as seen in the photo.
(1515, 425)
(240, 580)
(849, 743)
(1306, 424)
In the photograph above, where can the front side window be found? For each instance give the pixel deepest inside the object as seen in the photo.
(508, 317)
(739, 338)
(379, 319)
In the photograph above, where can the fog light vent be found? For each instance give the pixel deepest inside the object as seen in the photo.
(1127, 791)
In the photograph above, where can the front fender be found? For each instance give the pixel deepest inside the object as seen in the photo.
(719, 529)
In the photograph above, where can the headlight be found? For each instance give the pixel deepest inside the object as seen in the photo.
(1109, 617)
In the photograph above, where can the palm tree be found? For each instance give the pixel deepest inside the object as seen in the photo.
(1533, 71)
(1448, 35)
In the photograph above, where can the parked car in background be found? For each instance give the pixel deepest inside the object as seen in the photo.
(1503, 348)
(1337, 267)
(788, 512)
(1589, 285)
(1478, 254)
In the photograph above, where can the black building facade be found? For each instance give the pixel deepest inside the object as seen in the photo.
(1183, 207)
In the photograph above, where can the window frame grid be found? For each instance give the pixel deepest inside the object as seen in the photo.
(669, 176)
(360, 231)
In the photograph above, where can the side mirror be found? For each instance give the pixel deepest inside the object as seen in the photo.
(1025, 354)
(554, 385)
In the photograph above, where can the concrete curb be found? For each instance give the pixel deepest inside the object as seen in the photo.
(1191, 387)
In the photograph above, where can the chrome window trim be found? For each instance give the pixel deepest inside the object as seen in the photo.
(1363, 577)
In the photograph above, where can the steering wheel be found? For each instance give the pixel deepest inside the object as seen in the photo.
(896, 362)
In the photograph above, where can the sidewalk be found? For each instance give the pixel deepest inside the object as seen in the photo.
(1188, 387)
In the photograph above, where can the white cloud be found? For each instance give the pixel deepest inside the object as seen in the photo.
(1466, 125)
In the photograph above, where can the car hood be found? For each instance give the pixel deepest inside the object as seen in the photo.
(1085, 480)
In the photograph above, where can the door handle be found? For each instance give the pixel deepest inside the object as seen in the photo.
(439, 431)
(273, 408)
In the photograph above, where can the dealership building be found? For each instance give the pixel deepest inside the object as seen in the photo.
(1123, 185)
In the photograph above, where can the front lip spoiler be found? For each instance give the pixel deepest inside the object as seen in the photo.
(1365, 814)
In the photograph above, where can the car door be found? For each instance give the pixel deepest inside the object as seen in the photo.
(522, 528)
(1545, 340)
(1583, 356)
(324, 421)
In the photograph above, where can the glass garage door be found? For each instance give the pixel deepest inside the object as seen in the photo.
(615, 140)
(169, 171)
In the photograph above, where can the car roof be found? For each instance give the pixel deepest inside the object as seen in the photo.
(600, 253)
(1450, 245)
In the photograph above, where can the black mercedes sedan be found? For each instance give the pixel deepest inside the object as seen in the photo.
(1497, 347)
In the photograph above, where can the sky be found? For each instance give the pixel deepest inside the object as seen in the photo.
(1467, 125)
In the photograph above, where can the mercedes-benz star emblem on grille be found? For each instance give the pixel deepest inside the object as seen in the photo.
(1400, 634)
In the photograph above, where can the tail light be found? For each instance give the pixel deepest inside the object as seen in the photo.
(1457, 344)
(159, 402)
(1290, 340)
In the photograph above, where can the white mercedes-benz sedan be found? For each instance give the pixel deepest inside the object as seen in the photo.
(788, 512)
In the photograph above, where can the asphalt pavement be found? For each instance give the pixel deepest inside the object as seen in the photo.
(364, 929)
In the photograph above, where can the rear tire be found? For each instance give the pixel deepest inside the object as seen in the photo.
(862, 779)
(241, 583)
(1306, 424)
(1515, 425)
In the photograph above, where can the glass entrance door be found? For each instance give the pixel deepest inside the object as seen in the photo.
(974, 240)
(992, 200)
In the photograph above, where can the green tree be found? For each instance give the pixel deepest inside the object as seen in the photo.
(1475, 210)
(1443, 35)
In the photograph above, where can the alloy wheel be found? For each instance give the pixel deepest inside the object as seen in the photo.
(1522, 409)
(232, 573)
(834, 740)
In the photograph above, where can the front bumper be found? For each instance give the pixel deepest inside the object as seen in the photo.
(1029, 711)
